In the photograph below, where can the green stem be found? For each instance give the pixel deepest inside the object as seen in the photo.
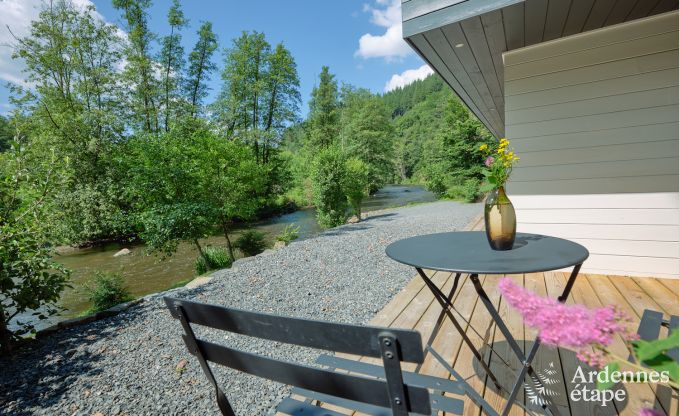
(633, 365)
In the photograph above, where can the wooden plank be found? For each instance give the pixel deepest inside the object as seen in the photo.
(630, 118)
(593, 56)
(454, 35)
(472, 30)
(577, 16)
(417, 8)
(495, 35)
(600, 105)
(577, 158)
(630, 200)
(616, 232)
(601, 169)
(630, 248)
(664, 297)
(652, 183)
(513, 23)
(620, 12)
(665, 6)
(506, 376)
(557, 13)
(672, 285)
(594, 139)
(555, 284)
(451, 70)
(640, 395)
(587, 41)
(591, 90)
(465, 361)
(591, 74)
(602, 216)
(641, 9)
(535, 16)
(597, 16)
(547, 358)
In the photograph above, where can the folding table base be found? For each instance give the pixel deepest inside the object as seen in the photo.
(446, 303)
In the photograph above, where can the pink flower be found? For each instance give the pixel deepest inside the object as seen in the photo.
(489, 161)
(649, 412)
(567, 325)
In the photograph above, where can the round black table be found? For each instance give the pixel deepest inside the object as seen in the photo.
(469, 252)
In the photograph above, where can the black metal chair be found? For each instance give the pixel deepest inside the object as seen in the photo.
(386, 390)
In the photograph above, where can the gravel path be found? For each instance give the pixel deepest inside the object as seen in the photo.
(127, 365)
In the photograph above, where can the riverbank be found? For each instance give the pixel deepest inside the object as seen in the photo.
(127, 364)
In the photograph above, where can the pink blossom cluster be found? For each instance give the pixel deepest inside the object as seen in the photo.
(567, 325)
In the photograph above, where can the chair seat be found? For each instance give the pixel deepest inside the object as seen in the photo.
(438, 401)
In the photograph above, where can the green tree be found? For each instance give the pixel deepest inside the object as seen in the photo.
(328, 174)
(356, 184)
(324, 114)
(75, 110)
(139, 71)
(6, 134)
(260, 95)
(172, 59)
(368, 131)
(200, 67)
(29, 279)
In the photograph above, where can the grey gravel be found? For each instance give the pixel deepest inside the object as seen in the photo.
(127, 364)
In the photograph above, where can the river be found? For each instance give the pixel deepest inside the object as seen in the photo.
(146, 274)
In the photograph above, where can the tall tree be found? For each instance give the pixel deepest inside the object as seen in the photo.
(172, 59)
(324, 113)
(140, 68)
(368, 133)
(260, 94)
(200, 67)
(281, 98)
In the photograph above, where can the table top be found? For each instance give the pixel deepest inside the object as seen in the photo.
(469, 252)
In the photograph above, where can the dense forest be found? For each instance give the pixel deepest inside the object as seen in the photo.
(114, 141)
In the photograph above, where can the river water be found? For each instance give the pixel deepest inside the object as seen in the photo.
(146, 274)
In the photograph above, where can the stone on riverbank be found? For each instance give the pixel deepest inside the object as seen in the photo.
(123, 252)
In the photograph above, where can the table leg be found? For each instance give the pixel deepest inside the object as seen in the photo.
(526, 361)
(446, 305)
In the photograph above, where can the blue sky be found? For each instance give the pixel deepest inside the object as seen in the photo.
(359, 40)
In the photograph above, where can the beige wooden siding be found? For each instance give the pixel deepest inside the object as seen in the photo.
(595, 119)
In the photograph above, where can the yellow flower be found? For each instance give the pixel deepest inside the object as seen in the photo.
(483, 147)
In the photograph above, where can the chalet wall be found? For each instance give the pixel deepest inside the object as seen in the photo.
(595, 119)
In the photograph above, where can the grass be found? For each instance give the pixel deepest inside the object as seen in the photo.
(214, 258)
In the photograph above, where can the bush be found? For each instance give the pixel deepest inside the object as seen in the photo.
(251, 243)
(356, 183)
(106, 291)
(213, 258)
(468, 191)
(328, 173)
(290, 233)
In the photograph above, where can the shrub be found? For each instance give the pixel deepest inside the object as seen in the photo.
(356, 183)
(107, 290)
(290, 233)
(327, 173)
(251, 243)
(213, 258)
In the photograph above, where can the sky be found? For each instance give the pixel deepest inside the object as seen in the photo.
(360, 41)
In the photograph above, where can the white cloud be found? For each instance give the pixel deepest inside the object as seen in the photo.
(15, 21)
(407, 77)
(389, 45)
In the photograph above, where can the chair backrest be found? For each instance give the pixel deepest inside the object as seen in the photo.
(392, 345)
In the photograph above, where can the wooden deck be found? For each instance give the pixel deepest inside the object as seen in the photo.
(415, 307)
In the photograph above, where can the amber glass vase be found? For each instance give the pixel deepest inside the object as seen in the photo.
(500, 220)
